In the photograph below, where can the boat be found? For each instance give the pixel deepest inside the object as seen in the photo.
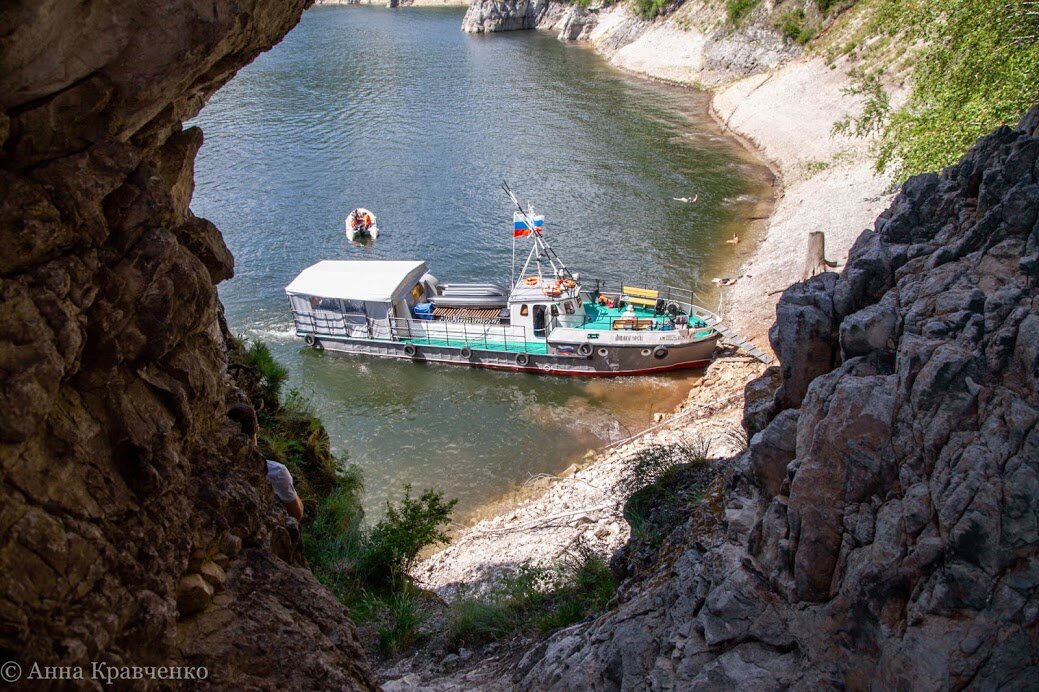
(546, 321)
(361, 223)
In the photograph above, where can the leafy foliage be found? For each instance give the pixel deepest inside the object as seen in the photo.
(653, 464)
(977, 68)
(401, 630)
(536, 599)
(391, 546)
(366, 568)
(794, 26)
(271, 373)
(648, 9)
(738, 9)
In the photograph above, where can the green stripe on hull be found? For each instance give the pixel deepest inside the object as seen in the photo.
(534, 348)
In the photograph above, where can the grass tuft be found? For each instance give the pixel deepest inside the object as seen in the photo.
(536, 600)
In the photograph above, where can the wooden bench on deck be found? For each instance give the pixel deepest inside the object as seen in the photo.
(641, 296)
(631, 323)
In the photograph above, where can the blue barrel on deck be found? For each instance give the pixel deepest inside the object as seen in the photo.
(423, 311)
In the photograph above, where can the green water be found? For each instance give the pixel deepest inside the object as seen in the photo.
(400, 112)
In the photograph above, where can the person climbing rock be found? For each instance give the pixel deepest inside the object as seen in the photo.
(277, 474)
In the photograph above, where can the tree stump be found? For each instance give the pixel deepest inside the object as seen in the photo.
(816, 262)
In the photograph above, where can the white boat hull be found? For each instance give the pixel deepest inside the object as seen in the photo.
(604, 360)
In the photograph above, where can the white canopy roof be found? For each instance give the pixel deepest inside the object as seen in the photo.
(372, 280)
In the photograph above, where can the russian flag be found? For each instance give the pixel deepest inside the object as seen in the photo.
(520, 228)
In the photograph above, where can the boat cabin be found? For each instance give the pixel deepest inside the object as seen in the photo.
(355, 298)
(540, 304)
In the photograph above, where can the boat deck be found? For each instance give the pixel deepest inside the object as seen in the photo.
(602, 318)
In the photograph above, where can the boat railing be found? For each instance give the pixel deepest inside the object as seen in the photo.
(666, 293)
(487, 336)
(333, 323)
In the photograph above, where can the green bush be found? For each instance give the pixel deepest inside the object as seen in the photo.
(333, 538)
(977, 68)
(478, 621)
(653, 464)
(535, 599)
(392, 545)
(794, 26)
(738, 9)
(271, 373)
(365, 568)
(826, 5)
(648, 9)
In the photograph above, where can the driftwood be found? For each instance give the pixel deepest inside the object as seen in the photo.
(816, 262)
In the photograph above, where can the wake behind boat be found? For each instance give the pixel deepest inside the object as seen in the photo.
(546, 322)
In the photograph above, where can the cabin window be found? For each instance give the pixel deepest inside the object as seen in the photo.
(354, 307)
(555, 311)
(569, 307)
(326, 304)
(524, 311)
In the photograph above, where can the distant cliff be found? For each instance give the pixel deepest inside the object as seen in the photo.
(693, 44)
(882, 531)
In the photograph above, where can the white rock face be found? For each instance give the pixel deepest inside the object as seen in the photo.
(504, 15)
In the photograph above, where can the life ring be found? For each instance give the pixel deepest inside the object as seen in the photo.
(466, 352)
(552, 291)
(410, 350)
(646, 352)
(569, 283)
(603, 353)
(584, 350)
(309, 340)
(660, 353)
(531, 281)
(522, 359)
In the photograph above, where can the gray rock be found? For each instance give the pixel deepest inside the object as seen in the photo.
(771, 450)
(897, 544)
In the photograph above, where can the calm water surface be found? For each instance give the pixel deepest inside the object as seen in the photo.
(400, 112)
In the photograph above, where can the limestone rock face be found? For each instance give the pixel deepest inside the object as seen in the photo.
(130, 512)
(895, 474)
(486, 16)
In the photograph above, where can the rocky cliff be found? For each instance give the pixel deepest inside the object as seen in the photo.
(882, 531)
(137, 527)
(694, 43)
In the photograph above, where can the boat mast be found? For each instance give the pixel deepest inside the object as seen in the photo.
(540, 248)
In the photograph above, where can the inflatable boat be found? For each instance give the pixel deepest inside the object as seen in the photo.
(361, 223)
